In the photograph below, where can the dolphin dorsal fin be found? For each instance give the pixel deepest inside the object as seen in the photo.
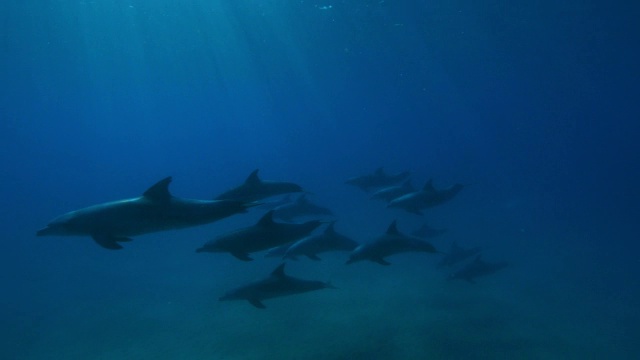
(266, 219)
(330, 229)
(393, 229)
(159, 191)
(429, 186)
(279, 271)
(253, 178)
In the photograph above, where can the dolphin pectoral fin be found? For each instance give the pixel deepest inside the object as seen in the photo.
(257, 303)
(313, 257)
(242, 256)
(107, 241)
(381, 261)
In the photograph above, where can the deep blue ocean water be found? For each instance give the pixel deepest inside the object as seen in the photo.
(532, 105)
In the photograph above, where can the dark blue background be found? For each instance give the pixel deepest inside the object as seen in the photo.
(534, 105)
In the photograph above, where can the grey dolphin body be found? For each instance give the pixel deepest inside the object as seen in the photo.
(426, 198)
(425, 232)
(393, 192)
(299, 208)
(311, 246)
(377, 180)
(265, 234)
(392, 242)
(276, 285)
(254, 189)
(477, 268)
(155, 210)
(457, 254)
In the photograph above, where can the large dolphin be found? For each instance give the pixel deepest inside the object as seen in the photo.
(276, 285)
(377, 180)
(457, 254)
(393, 192)
(392, 242)
(254, 189)
(299, 208)
(476, 268)
(156, 210)
(265, 234)
(311, 246)
(426, 232)
(426, 198)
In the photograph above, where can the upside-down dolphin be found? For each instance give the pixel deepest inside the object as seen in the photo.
(263, 235)
(476, 268)
(457, 254)
(254, 189)
(393, 192)
(276, 285)
(156, 210)
(311, 246)
(299, 208)
(377, 180)
(392, 242)
(426, 198)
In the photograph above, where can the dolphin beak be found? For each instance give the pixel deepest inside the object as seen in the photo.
(43, 231)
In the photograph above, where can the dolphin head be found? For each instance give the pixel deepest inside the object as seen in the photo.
(62, 226)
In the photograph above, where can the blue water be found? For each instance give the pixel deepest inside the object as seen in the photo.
(532, 105)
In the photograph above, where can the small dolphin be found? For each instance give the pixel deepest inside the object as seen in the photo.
(457, 254)
(392, 242)
(426, 198)
(276, 285)
(393, 192)
(265, 234)
(477, 268)
(254, 189)
(156, 210)
(299, 208)
(311, 246)
(426, 232)
(377, 180)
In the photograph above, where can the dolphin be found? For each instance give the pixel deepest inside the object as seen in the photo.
(393, 192)
(426, 198)
(329, 240)
(156, 210)
(425, 231)
(476, 268)
(377, 180)
(279, 250)
(254, 189)
(299, 208)
(392, 242)
(457, 254)
(276, 285)
(265, 234)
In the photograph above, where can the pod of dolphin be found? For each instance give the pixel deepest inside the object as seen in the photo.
(112, 223)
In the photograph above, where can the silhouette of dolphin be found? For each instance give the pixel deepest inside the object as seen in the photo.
(312, 245)
(392, 242)
(426, 198)
(457, 254)
(425, 232)
(254, 189)
(156, 210)
(278, 284)
(299, 208)
(376, 180)
(477, 268)
(393, 192)
(264, 235)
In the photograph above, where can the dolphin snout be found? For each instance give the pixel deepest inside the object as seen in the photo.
(44, 231)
